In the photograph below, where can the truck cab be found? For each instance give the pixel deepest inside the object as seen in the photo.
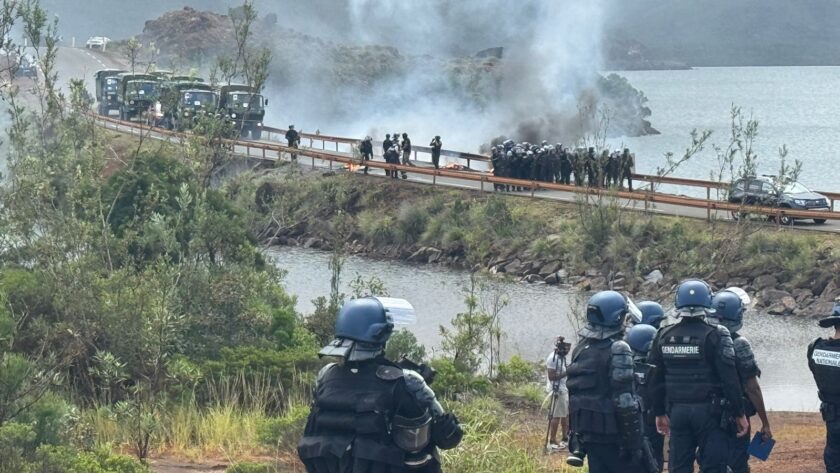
(138, 94)
(242, 106)
(194, 101)
(107, 90)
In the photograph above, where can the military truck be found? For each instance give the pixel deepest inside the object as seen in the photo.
(244, 108)
(107, 90)
(184, 102)
(138, 93)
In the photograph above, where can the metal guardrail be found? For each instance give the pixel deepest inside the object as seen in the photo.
(647, 197)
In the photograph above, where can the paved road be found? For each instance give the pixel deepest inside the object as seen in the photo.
(76, 63)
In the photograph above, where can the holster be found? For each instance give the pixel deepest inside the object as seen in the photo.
(829, 412)
(721, 410)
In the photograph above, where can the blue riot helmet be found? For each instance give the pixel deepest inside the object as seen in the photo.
(640, 337)
(694, 298)
(361, 330)
(652, 313)
(605, 315)
(729, 310)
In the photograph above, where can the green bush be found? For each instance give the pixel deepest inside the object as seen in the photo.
(376, 227)
(450, 381)
(283, 432)
(54, 459)
(411, 223)
(404, 343)
(251, 467)
(517, 371)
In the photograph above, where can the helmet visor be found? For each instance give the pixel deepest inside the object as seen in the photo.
(633, 311)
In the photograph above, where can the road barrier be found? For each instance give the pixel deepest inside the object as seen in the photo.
(484, 179)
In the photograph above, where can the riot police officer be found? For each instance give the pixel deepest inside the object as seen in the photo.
(640, 338)
(366, 149)
(293, 140)
(824, 362)
(695, 385)
(605, 414)
(729, 312)
(369, 414)
(652, 313)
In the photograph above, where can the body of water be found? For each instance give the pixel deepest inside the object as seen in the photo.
(795, 106)
(537, 313)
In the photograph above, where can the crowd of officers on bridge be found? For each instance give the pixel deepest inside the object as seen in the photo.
(634, 378)
(560, 165)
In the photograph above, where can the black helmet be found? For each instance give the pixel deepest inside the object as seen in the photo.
(832, 320)
(361, 330)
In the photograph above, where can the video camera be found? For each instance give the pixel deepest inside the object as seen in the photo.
(561, 346)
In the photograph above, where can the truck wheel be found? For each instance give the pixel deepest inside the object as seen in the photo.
(819, 221)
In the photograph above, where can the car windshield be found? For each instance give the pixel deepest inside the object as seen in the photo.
(142, 88)
(796, 188)
(198, 99)
(244, 100)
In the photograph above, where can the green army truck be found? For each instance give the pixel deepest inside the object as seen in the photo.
(186, 102)
(107, 90)
(138, 94)
(244, 108)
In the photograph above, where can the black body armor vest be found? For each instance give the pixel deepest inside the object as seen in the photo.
(824, 362)
(690, 374)
(591, 405)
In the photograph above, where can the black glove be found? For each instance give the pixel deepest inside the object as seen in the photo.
(446, 431)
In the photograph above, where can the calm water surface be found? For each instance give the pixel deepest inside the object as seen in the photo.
(795, 106)
(537, 313)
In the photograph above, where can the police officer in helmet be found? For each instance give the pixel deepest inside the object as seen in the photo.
(729, 312)
(370, 415)
(652, 313)
(605, 414)
(695, 385)
(824, 362)
(640, 338)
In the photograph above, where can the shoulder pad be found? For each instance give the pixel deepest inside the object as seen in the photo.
(723, 331)
(813, 345)
(621, 347)
(742, 343)
(389, 373)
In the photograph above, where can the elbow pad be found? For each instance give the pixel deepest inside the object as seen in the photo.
(621, 365)
(417, 387)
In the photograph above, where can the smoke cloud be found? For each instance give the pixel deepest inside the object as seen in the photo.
(432, 84)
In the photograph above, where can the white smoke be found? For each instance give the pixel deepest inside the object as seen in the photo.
(552, 53)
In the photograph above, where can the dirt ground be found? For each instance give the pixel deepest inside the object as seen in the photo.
(800, 438)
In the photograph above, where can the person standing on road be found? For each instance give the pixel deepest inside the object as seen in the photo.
(555, 365)
(386, 147)
(293, 140)
(729, 312)
(824, 362)
(605, 418)
(628, 164)
(436, 145)
(695, 385)
(406, 153)
(366, 148)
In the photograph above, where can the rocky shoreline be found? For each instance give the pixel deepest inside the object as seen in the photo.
(778, 293)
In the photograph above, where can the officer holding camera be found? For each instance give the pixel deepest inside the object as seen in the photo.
(558, 414)
(824, 362)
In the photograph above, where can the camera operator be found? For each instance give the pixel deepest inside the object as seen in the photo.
(558, 415)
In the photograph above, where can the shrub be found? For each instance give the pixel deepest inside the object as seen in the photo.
(250, 467)
(516, 371)
(450, 381)
(377, 228)
(54, 459)
(404, 343)
(411, 223)
(283, 432)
